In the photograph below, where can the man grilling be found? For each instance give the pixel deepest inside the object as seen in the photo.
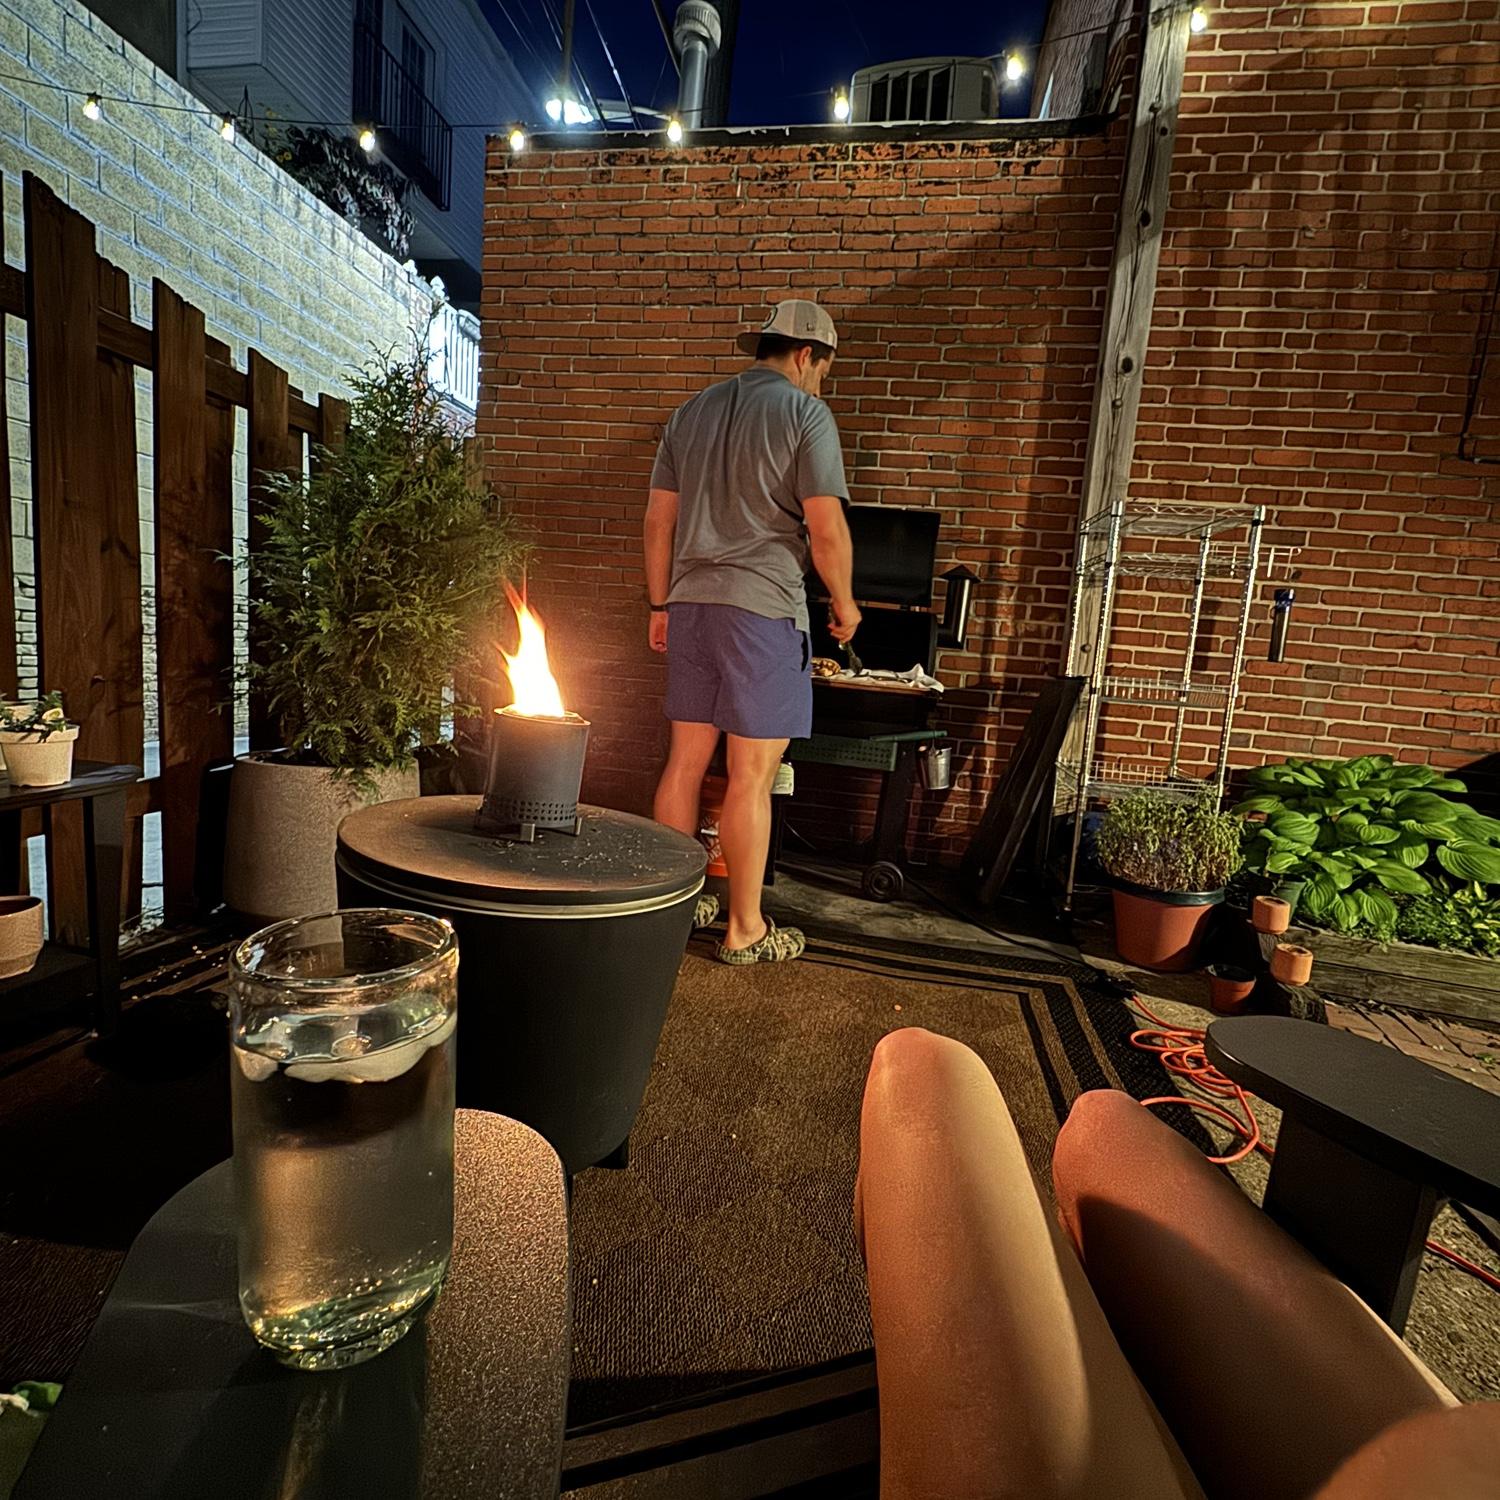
(748, 481)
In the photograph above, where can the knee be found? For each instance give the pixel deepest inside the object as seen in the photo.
(916, 1068)
(1099, 1122)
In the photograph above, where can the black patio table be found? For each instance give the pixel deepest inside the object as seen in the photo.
(172, 1398)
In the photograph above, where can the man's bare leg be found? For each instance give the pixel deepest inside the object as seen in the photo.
(745, 833)
(998, 1372)
(681, 783)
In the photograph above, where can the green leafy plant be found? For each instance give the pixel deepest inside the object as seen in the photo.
(379, 575)
(42, 719)
(1158, 841)
(1366, 833)
(369, 194)
(1466, 920)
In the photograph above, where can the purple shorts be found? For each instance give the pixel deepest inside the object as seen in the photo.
(739, 671)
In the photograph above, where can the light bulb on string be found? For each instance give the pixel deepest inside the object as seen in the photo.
(517, 139)
(367, 138)
(226, 127)
(841, 106)
(1198, 20)
(674, 132)
(554, 110)
(1015, 68)
(93, 106)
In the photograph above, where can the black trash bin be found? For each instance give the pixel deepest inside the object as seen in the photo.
(568, 951)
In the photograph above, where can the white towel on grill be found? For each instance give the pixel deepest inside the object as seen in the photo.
(914, 675)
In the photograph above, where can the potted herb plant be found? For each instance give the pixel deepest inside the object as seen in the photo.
(378, 572)
(37, 742)
(1169, 862)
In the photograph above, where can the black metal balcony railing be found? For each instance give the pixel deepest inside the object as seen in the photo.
(412, 132)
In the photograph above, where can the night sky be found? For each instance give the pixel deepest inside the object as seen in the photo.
(789, 54)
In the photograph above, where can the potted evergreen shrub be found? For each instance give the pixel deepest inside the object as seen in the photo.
(1169, 862)
(376, 579)
(37, 742)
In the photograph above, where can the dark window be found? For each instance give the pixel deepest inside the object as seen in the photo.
(937, 100)
(880, 92)
(898, 98)
(919, 96)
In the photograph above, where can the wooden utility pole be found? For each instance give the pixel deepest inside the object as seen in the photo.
(1129, 300)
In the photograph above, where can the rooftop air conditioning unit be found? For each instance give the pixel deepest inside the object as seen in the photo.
(932, 89)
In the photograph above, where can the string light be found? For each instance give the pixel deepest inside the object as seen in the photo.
(367, 138)
(841, 106)
(1198, 21)
(674, 132)
(1015, 67)
(226, 127)
(554, 110)
(93, 106)
(517, 138)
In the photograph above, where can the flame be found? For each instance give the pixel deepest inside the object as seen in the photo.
(533, 688)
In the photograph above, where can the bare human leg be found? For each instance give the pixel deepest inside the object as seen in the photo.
(681, 783)
(745, 833)
(999, 1376)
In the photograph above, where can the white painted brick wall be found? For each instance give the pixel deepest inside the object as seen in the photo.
(269, 265)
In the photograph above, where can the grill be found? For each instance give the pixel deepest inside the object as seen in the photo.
(883, 726)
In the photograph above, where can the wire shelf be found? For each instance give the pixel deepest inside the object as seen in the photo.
(1171, 693)
(1225, 560)
(1173, 520)
(1113, 778)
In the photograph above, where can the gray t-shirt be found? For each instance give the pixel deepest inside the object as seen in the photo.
(743, 456)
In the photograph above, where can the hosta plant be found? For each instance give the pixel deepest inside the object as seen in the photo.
(1158, 841)
(1366, 835)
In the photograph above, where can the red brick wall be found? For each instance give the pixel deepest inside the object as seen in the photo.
(1328, 252)
(966, 279)
(1325, 266)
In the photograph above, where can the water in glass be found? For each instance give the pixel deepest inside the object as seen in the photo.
(342, 1088)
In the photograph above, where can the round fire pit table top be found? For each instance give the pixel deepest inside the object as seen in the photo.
(616, 858)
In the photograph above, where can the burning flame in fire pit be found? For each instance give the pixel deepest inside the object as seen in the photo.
(533, 687)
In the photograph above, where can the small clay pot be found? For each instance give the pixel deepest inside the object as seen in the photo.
(20, 934)
(1230, 988)
(1271, 914)
(1292, 964)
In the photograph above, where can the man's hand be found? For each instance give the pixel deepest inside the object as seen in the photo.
(658, 632)
(843, 620)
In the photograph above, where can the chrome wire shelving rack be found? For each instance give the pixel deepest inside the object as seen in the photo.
(1204, 547)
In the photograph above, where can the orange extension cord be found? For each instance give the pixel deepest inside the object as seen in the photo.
(1182, 1054)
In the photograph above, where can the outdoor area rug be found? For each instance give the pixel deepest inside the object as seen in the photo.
(726, 1250)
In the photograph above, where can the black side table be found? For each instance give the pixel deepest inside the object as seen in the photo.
(172, 1399)
(62, 975)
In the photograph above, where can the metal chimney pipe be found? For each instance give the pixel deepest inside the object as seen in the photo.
(697, 32)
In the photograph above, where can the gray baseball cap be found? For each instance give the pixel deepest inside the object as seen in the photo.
(794, 318)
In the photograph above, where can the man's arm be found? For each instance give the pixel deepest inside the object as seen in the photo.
(833, 557)
(659, 531)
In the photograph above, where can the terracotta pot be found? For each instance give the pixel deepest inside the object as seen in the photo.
(1271, 914)
(1161, 929)
(1292, 964)
(31, 760)
(283, 832)
(1230, 988)
(20, 934)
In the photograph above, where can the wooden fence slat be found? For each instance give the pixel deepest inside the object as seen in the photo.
(9, 670)
(333, 421)
(62, 286)
(122, 733)
(270, 451)
(194, 587)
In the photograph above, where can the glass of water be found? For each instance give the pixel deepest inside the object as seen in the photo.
(341, 1040)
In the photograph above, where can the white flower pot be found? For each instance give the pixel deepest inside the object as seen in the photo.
(31, 760)
(20, 934)
(282, 836)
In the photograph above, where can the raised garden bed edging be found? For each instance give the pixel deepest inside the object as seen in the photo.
(1403, 975)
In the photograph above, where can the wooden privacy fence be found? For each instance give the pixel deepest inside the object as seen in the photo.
(83, 351)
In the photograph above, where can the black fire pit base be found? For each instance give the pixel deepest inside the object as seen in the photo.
(569, 949)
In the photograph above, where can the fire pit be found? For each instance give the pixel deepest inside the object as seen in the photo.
(571, 921)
